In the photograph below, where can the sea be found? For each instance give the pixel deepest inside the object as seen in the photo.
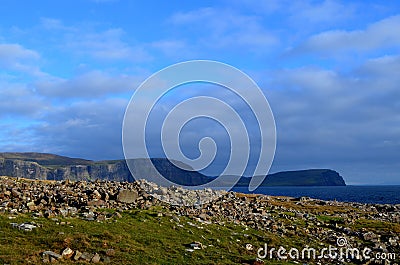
(349, 193)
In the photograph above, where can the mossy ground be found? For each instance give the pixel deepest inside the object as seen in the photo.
(139, 237)
(145, 237)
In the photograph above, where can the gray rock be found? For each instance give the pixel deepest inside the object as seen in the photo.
(86, 256)
(370, 236)
(127, 196)
(78, 255)
(196, 245)
(110, 252)
(51, 254)
(67, 253)
(96, 258)
(106, 259)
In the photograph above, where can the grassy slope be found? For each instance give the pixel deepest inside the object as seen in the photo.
(140, 237)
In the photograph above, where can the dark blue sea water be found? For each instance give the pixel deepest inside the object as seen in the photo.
(363, 194)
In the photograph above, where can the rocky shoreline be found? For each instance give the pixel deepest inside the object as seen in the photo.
(279, 215)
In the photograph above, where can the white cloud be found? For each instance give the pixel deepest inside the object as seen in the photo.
(54, 24)
(327, 11)
(106, 45)
(381, 34)
(91, 84)
(85, 39)
(223, 28)
(18, 100)
(10, 52)
(259, 7)
(15, 57)
(173, 48)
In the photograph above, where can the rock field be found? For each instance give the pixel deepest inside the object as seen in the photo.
(81, 199)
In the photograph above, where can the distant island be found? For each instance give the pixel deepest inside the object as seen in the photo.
(309, 177)
(54, 167)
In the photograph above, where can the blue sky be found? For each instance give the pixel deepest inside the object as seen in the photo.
(330, 70)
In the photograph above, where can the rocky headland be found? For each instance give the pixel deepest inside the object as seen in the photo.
(54, 167)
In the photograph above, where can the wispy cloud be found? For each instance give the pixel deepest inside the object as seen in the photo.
(93, 84)
(377, 35)
(86, 40)
(220, 28)
(327, 11)
(106, 45)
(19, 100)
(15, 57)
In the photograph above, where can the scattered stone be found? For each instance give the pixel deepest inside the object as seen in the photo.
(24, 226)
(86, 256)
(96, 202)
(101, 217)
(78, 255)
(196, 245)
(118, 215)
(96, 194)
(370, 236)
(106, 259)
(95, 258)
(31, 206)
(249, 246)
(110, 252)
(51, 254)
(204, 217)
(67, 253)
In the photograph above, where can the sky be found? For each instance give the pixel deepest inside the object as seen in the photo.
(329, 69)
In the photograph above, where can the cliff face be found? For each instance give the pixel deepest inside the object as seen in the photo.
(117, 171)
(22, 169)
(38, 166)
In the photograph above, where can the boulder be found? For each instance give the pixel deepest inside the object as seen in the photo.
(127, 196)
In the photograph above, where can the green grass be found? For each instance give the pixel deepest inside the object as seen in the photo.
(331, 219)
(143, 237)
(377, 226)
(139, 237)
